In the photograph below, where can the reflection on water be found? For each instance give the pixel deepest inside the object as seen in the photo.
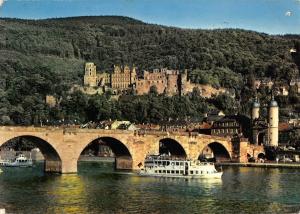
(98, 189)
(69, 191)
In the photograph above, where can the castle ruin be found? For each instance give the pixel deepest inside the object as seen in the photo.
(122, 79)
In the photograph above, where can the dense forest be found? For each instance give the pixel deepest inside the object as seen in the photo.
(40, 57)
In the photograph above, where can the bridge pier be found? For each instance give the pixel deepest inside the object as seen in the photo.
(123, 163)
(52, 166)
(69, 166)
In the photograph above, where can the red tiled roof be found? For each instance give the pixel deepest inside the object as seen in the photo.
(205, 126)
(283, 126)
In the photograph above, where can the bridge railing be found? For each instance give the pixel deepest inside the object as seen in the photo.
(76, 129)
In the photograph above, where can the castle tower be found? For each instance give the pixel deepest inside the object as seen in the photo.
(90, 76)
(273, 122)
(117, 69)
(133, 76)
(126, 69)
(255, 109)
(183, 82)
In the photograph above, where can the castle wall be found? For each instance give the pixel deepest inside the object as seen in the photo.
(143, 86)
(206, 90)
(172, 85)
(103, 79)
(90, 81)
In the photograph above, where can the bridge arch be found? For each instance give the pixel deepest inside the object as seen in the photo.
(261, 155)
(52, 159)
(120, 150)
(215, 151)
(171, 146)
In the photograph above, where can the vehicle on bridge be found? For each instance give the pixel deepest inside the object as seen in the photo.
(167, 166)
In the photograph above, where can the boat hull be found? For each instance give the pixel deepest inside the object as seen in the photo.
(217, 175)
(18, 165)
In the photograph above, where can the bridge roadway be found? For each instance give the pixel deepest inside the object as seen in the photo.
(62, 147)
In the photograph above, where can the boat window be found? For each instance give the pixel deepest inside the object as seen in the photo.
(155, 171)
(168, 171)
(196, 171)
(168, 163)
(201, 172)
(191, 172)
(177, 171)
(159, 171)
(164, 171)
(181, 164)
(172, 172)
(181, 171)
(177, 163)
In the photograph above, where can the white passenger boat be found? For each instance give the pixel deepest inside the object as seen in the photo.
(4, 162)
(20, 161)
(165, 166)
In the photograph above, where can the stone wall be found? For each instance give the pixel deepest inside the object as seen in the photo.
(205, 90)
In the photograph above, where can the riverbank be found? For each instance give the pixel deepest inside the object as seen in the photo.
(262, 165)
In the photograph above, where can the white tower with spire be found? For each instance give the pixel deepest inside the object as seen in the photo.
(255, 109)
(273, 123)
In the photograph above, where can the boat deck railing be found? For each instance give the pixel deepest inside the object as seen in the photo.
(162, 157)
(175, 158)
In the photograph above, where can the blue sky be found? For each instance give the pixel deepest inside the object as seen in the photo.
(269, 16)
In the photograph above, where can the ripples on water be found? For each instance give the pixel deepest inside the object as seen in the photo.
(98, 189)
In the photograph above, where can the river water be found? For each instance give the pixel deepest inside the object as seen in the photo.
(98, 189)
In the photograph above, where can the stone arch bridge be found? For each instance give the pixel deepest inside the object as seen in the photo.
(62, 147)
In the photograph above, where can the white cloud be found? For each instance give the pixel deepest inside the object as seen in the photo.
(1, 2)
(288, 13)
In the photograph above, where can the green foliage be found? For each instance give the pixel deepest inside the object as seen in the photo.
(226, 103)
(40, 57)
(294, 137)
(116, 40)
(150, 108)
(217, 77)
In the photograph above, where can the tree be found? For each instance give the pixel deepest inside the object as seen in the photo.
(294, 137)
(225, 103)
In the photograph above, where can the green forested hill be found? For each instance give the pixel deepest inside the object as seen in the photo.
(111, 40)
(39, 57)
